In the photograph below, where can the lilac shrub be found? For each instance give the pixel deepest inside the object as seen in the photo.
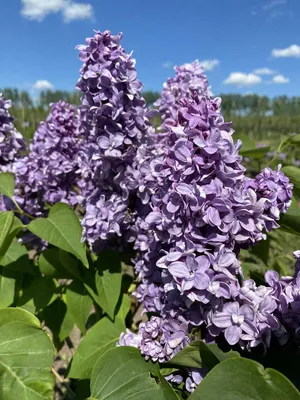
(204, 210)
(12, 142)
(115, 123)
(188, 79)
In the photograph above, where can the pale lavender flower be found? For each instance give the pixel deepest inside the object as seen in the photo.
(237, 321)
(188, 79)
(129, 339)
(12, 143)
(162, 339)
(195, 376)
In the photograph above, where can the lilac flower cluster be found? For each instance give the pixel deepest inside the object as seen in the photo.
(286, 292)
(276, 188)
(203, 211)
(188, 79)
(12, 142)
(48, 173)
(158, 339)
(115, 124)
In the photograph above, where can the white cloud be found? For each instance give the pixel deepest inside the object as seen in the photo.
(264, 71)
(75, 11)
(241, 79)
(291, 51)
(37, 10)
(280, 79)
(209, 65)
(167, 64)
(43, 84)
(273, 4)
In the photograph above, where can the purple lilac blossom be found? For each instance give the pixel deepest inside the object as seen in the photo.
(202, 211)
(162, 339)
(115, 124)
(188, 79)
(195, 376)
(175, 378)
(47, 175)
(158, 339)
(12, 142)
(191, 376)
(277, 189)
(286, 292)
(129, 339)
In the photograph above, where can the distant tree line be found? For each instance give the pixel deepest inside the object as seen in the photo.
(258, 116)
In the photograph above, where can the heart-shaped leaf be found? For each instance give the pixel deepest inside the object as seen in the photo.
(62, 229)
(123, 373)
(243, 379)
(26, 355)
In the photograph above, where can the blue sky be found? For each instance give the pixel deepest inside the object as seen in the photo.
(239, 40)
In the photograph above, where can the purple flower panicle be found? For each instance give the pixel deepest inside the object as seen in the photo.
(188, 80)
(115, 124)
(12, 142)
(47, 175)
(200, 210)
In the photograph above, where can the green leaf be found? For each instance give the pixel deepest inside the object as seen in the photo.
(7, 184)
(290, 222)
(48, 262)
(243, 379)
(189, 356)
(261, 250)
(294, 204)
(8, 282)
(198, 354)
(42, 291)
(16, 258)
(247, 143)
(295, 139)
(293, 173)
(122, 310)
(62, 229)
(108, 280)
(249, 148)
(256, 153)
(100, 338)
(6, 222)
(211, 355)
(70, 264)
(52, 264)
(79, 304)
(14, 230)
(291, 141)
(26, 355)
(285, 359)
(123, 373)
(58, 319)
